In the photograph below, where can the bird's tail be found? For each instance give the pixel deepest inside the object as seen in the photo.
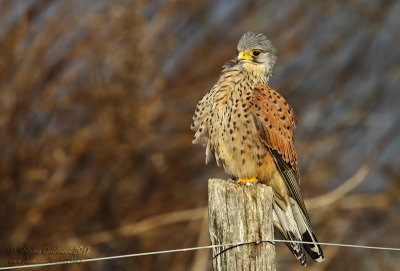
(294, 225)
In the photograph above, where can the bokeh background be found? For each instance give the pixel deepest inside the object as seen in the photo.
(96, 100)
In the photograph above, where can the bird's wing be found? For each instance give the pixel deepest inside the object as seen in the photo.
(275, 121)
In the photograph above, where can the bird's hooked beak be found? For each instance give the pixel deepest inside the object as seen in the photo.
(242, 56)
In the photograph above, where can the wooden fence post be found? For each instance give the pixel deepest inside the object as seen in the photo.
(240, 213)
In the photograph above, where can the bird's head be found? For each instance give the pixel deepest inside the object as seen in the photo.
(256, 53)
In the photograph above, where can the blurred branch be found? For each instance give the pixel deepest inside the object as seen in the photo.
(365, 201)
(34, 214)
(358, 177)
(202, 257)
(147, 224)
(340, 191)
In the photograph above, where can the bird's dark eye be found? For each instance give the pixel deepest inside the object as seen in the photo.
(255, 53)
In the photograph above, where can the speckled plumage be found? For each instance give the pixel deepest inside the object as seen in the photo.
(248, 128)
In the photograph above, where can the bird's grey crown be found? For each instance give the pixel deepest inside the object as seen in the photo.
(266, 60)
(250, 41)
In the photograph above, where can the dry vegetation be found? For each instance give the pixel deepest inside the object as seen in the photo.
(96, 99)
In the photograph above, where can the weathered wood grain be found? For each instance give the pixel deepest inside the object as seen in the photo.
(240, 213)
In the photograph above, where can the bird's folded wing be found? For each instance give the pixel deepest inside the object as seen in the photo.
(275, 121)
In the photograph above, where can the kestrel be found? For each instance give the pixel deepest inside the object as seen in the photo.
(248, 128)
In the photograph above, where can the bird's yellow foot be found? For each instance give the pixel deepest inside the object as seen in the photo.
(248, 180)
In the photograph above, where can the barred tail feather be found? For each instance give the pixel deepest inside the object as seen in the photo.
(293, 225)
(307, 234)
(284, 222)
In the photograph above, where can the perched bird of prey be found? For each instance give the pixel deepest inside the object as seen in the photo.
(248, 128)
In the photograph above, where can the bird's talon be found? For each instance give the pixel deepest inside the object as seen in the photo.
(252, 180)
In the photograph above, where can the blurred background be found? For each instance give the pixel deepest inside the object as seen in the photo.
(96, 101)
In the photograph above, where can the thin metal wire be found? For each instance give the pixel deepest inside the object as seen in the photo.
(194, 248)
(241, 244)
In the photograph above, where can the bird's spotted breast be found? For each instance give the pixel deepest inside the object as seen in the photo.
(232, 137)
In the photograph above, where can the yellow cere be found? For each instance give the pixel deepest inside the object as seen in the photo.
(243, 55)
